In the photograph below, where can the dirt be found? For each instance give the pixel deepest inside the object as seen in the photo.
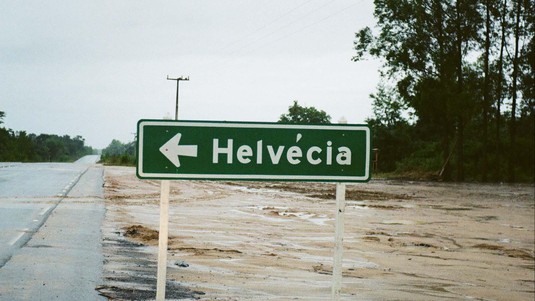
(274, 241)
(130, 273)
(142, 234)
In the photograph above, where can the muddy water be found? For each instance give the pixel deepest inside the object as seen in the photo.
(274, 241)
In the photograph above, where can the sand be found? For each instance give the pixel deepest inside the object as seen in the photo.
(274, 240)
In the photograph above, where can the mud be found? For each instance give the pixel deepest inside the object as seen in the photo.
(130, 273)
(274, 241)
(130, 251)
(142, 234)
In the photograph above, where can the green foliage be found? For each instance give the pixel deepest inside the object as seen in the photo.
(423, 162)
(393, 142)
(388, 106)
(23, 147)
(391, 132)
(466, 70)
(118, 153)
(304, 115)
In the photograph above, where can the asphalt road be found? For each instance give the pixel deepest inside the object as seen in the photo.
(50, 238)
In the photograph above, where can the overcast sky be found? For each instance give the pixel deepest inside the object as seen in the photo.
(94, 68)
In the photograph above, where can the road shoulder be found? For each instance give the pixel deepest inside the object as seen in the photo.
(63, 259)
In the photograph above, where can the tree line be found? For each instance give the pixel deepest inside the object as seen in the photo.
(457, 92)
(118, 153)
(19, 146)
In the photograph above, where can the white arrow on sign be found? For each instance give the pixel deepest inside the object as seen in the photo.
(172, 150)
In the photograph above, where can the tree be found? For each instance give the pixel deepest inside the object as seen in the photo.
(425, 45)
(304, 115)
(388, 107)
(486, 87)
(115, 148)
(527, 76)
(522, 77)
(390, 129)
(117, 153)
(20, 146)
(463, 67)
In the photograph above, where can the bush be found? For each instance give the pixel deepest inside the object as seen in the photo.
(118, 153)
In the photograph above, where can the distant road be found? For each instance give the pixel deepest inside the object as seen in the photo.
(88, 160)
(50, 241)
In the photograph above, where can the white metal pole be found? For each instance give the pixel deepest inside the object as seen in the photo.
(162, 241)
(338, 240)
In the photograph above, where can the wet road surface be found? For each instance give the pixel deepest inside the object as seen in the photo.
(50, 217)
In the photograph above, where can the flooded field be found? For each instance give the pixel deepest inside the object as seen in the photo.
(274, 241)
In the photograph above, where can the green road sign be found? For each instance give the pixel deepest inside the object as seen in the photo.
(169, 149)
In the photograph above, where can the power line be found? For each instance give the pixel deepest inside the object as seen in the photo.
(307, 26)
(257, 44)
(302, 28)
(280, 28)
(266, 25)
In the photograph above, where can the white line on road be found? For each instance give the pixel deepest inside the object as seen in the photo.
(14, 240)
(44, 210)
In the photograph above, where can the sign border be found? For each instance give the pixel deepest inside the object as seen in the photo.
(260, 177)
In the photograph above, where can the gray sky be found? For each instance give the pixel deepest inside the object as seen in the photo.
(94, 68)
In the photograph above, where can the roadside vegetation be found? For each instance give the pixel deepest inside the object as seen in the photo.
(19, 146)
(118, 153)
(298, 114)
(457, 99)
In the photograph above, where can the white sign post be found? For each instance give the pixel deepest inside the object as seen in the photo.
(162, 241)
(163, 235)
(338, 240)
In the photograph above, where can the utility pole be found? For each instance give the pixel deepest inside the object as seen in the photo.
(178, 79)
